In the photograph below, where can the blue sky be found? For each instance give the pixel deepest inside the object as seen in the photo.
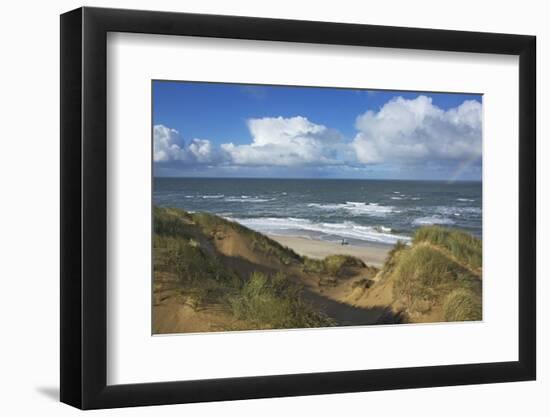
(233, 130)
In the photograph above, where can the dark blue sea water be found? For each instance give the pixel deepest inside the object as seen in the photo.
(360, 211)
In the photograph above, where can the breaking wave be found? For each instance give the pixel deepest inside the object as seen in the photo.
(358, 208)
(347, 229)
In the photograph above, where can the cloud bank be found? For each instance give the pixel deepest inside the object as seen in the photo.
(295, 141)
(402, 133)
(413, 131)
(169, 146)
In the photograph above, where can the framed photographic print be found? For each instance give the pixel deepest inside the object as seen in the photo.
(258, 208)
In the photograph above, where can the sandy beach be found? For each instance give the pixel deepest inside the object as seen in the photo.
(371, 255)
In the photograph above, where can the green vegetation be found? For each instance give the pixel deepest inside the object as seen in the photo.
(184, 247)
(336, 265)
(392, 259)
(204, 277)
(364, 283)
(462, 305)
(207, 260)
(463, 246)
(424, 275)
(170, 222)
(216, 226)
(275, 301)
(441, 268)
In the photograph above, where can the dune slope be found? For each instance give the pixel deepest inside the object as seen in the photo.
(437, 278)
(211, 274)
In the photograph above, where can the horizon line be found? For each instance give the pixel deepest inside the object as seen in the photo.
(317, 178)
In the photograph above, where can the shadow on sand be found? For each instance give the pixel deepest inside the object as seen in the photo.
(348, 315)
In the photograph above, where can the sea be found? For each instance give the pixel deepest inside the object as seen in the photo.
(359, 212)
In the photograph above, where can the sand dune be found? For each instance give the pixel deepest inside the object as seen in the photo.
(233, 278)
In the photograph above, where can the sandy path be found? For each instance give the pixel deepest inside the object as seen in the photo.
(372, 255)
(345, 314)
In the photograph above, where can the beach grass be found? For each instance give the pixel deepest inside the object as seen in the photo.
(260, 282)
(463, 246)
(442, 267)
(276, 301)
(462, 305)
(392, 259)
(182, 245)
(335, 265)
(211, 224)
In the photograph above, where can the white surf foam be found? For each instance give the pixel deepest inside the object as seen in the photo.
(448, 211)
(349, 230)
(213, 196)
(247, 199)
(430, 220)
(358, 208)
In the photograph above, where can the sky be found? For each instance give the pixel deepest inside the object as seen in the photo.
(237, 130)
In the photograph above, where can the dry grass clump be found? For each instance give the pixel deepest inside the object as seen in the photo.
(335, 265)
(463, 246)
(441, 268)
(275, 302)
(462, 305)
(171, 222)
(392, 259)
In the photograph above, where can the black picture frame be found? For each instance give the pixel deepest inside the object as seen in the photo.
(84, 207)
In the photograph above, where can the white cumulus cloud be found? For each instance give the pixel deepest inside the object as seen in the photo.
(407, 135)
(412, 131)
(169, 146)
(279, 141)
